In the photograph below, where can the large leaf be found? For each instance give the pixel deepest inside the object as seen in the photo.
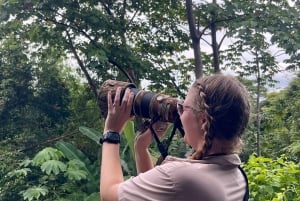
(75, 170)
(34, 193)
(129, 134)
(53, 166)
(90, 133)
(46, 154)
(19, 173)
(294, 148)
(71, 152)
(76, 164)
(76, 175)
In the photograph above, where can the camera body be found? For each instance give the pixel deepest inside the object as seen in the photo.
(146, 104)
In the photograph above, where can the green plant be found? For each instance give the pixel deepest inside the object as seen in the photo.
(62, 173)
(275, 180)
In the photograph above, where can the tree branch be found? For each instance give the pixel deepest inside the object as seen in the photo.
(82, 66)
(222, 40)
(76, 28)
(49, 141)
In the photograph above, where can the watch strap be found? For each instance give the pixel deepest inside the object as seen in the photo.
(110, 137)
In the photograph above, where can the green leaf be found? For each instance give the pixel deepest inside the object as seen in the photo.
(90, 133)
(19, 173)
(34, 193)
(294, 148)
(25, 163)
(93, 197)
(76, 164)
(72, 153)
(129, 134)
(76, 175)
(53, 166)
(76, 170)
(46, 154)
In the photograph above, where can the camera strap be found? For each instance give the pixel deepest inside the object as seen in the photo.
(164, 149)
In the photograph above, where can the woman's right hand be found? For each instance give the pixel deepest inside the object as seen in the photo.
(119, 110)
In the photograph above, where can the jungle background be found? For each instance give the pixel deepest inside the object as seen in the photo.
(54, 56)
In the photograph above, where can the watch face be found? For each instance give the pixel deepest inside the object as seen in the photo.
(111, 137)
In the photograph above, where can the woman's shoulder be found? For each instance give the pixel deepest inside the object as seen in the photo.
(229, 159)
(173, 165)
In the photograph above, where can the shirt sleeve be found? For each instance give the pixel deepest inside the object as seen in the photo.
(155, 184)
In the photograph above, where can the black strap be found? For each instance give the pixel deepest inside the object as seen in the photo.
(162, 148)
(163, 151)
(246, 197)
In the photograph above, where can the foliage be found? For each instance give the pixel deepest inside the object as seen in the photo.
(34, 193)
(276, 180)
(60, 172)
(129, 39)
(127, 155)
(33, 99)
(33, 104)
(281, 120)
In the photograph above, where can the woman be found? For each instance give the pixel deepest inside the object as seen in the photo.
(214, 115)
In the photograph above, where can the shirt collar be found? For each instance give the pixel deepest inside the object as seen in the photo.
(229, 159)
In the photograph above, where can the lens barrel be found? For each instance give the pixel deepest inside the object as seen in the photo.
(146, 104)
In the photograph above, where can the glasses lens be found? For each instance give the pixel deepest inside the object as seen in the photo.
(180, 107)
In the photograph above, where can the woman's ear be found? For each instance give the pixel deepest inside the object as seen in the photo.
(203, 122)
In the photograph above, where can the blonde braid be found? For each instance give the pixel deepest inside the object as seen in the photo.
(204, 108)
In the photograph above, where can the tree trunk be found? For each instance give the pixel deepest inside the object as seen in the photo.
(195, 36)
(215, 45)
(258, 106)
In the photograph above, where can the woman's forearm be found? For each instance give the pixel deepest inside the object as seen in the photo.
(111, 172)
(143, 158)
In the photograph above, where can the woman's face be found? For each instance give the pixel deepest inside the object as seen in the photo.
(192, 121)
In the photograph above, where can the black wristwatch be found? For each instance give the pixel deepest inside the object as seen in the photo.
(111, 137)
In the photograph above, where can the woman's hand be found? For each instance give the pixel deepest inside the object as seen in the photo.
(144, 139)
(143, 158)
(118, 112)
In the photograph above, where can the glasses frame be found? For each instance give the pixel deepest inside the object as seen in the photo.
(181, 107)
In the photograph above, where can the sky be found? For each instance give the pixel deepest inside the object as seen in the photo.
(283, 77)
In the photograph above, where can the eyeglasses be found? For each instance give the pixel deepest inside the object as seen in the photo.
(181, 107)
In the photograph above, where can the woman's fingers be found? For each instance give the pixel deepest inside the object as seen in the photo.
(109, 101)
(117, 97)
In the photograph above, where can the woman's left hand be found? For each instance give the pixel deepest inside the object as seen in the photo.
(143, 140)
(119, 111)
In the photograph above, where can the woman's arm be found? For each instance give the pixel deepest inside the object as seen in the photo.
(111, 172)
(142, 142)
(143, 159)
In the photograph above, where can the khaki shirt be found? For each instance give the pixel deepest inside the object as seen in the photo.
(215, 178)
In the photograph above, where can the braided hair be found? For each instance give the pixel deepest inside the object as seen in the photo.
(224, 102)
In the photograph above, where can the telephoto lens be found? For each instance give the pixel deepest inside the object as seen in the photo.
(146, 104)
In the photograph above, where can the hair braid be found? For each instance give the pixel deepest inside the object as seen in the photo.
(200, 101)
